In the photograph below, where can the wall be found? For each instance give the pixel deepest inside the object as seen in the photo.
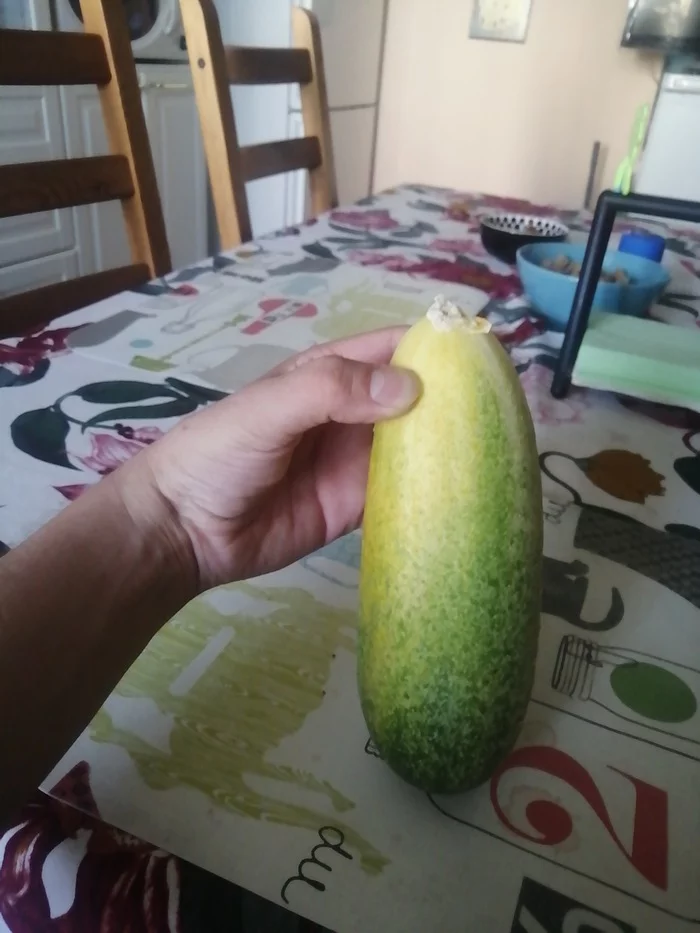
(506, 118)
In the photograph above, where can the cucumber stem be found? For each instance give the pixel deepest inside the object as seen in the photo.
(446, 316)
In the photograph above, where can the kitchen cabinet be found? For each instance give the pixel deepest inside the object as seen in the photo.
(46, 123)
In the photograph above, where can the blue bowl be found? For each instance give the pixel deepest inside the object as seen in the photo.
(552, 293)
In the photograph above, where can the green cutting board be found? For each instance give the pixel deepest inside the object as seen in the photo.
(640, 357)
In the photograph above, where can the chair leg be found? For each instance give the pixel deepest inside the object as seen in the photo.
(583, 299)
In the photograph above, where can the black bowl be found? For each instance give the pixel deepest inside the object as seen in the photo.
(504, 234)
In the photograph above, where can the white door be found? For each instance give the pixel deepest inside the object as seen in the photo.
(45, 270)
(173, 129)
(101, 233)
(31, 131)
(25, 14)
(178, 155)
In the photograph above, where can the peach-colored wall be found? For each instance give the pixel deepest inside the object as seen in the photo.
(507, 118)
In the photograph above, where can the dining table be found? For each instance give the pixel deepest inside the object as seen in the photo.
(236, 741)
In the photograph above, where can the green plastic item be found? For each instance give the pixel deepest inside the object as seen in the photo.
(625, 171)
(642, 358)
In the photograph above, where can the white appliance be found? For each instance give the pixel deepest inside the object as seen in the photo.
(670, 165)
(155, 26)
(353, 42)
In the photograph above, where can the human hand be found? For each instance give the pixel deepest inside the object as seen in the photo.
(280, 468)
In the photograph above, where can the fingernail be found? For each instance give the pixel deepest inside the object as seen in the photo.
(394, 388)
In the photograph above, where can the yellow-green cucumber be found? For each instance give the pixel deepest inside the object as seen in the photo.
(450, 576)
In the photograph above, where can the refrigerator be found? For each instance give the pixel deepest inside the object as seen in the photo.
(669, 164)
(353, 43)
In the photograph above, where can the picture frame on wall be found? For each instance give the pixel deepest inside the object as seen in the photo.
(500, 20)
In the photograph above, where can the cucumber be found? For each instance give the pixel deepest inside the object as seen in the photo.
(450, 573)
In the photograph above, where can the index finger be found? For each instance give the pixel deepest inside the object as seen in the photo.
(375, 346)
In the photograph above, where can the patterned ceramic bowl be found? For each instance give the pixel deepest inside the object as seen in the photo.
(504, 234)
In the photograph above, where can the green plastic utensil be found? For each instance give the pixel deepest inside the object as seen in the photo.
(625, 171)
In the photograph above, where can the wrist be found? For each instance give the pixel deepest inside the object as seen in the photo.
(157, 526)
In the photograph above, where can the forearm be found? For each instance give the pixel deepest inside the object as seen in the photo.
(79, 601)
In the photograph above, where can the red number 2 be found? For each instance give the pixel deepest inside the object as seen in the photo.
(552, 824)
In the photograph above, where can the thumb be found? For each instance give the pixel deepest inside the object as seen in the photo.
(333, 388)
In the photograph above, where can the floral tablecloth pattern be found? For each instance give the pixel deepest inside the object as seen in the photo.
(236, 741)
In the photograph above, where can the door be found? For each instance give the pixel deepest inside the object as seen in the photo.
(44, 270)
(176, 145)
(101, 232)
(31, 131)
(178, 155)
(25, 14)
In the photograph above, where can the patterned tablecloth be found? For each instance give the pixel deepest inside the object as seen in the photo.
(236, 740)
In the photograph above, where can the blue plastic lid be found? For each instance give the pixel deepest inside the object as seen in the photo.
(649, 245)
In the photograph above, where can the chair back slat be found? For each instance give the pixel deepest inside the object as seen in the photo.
(248, 65)
(34, 57)
(286, 155)
(28, 187)
(30, 310)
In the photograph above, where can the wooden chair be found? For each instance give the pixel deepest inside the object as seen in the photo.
(214, 68)
(101, 56)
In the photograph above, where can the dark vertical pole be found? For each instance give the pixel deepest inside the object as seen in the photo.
(583, 299)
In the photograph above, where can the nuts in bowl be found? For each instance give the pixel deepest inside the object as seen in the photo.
(568, 266)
